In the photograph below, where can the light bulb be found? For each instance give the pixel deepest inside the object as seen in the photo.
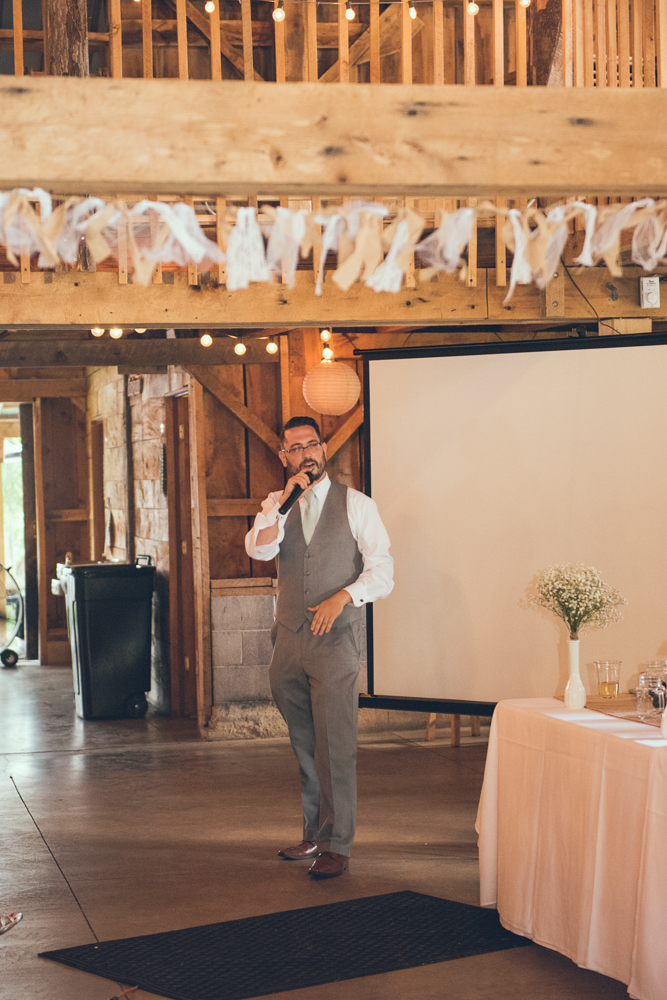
(140, 331)
(272, 347)
(206, 340)
(97, 331)
(524, 3)
(209, 7)
(116, 332)
(240, 348)
(349, 13)
(327, 353)
(472, 7)
(279, 12)
(412, 10)
(325, 335)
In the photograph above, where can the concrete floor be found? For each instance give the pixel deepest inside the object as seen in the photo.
(111, 829)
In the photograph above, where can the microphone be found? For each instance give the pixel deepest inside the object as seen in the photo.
(294, 496)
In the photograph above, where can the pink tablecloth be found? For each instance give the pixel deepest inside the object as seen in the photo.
(572, 827)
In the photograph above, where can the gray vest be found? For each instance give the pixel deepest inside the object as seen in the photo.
(308, 574)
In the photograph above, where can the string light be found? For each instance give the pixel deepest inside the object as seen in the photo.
(206, 340)
(327, 354)
(140, 331)
(279, 12)
(116, 332)
(524, 3)
(412, 10)
(97, 331)
(325, 335)
(272, 347)
(209, 6)
(349, 13)
(472, 7)
(240, 348)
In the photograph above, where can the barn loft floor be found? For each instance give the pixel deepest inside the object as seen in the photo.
(122, 828)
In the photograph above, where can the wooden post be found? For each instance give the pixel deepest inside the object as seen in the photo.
(68, 38)
(279, 35)
(438, 43)
(471, 271)
(115, 39)
(182, 39)
(216, 62)
(246, 27)
(567, 30)
(202, 582)
(40, 528)
(296, 56)
(430, 726)
(343, 46)
(600, 43)
(475, 726)
(501, 250)
(17, 26)
(311, 40)
(31, 592)
(220, 212)
(456, 730)
(469, 46)
(406, 43)
(375, 41)
(612, 45)
(521, 42)
(649, 44)
(589, 55)
(661, 40)
(624, 43)
(637, 47)
(285, 401)
(147, 37)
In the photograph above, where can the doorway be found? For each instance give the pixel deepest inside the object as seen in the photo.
(181, 571)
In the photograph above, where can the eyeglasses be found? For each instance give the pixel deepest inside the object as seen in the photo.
(299, 449)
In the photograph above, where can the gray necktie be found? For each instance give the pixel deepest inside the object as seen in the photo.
(309, 516)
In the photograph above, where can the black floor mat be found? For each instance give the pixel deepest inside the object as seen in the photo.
(296, 948)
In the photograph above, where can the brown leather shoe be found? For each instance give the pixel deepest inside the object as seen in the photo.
(306, 849)
(328, 865)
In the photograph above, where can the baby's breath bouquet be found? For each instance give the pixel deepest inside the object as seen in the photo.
(579, 596)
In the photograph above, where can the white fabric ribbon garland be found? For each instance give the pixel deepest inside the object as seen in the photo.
(353, 230)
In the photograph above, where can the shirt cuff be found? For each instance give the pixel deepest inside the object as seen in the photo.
(357, 592)
(268, 518)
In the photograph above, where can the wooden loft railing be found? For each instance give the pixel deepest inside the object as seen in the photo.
(570, 42)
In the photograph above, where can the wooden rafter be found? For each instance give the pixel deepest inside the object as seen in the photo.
(202, 23)
(300, 139)
(344, 433)
(208, 378)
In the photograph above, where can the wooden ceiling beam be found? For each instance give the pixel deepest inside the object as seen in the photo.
(242, 138)
(24, 390)
(35, 353)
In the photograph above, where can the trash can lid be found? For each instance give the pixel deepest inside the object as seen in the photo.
(98, 569)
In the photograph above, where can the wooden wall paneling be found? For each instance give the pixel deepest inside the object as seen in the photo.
(214, 45)
(213, 379)
(661, 41)
(589, 53)
(374, 28)
(601, 43)
(31, 591)
(469, 46)
(147, 38)
(182, 39)
(612, 44)
(115, 39)
(438, 43)
(343, 46)
(521, 45)
(498, 43)
(265, 470)
(637, 49)
(200, 551)
(567, 32)
(220, 235)
(648, 43)
(17, 27)
(226, 475)
(406, 44)
(279, 41)
(246, 27)
(624, 43)
(311, 40)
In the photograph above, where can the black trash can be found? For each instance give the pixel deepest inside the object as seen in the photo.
(109, 614)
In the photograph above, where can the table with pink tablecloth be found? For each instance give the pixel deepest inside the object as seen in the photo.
(572, 827)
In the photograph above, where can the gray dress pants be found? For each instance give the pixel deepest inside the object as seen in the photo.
(314, 684)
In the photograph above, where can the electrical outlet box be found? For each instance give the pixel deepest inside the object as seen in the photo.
(649, 292)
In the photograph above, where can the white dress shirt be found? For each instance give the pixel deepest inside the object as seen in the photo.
(377, 577)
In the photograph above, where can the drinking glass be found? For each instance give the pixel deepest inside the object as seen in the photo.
(658, 668)
(651, 697)
(608, 671)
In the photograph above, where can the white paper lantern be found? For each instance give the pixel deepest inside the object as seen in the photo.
(331, 388)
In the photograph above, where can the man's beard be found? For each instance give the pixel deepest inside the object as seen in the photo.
(310, 465)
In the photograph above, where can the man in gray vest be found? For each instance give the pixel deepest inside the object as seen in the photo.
(333, 559)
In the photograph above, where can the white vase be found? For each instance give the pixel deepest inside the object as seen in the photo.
(575, 692)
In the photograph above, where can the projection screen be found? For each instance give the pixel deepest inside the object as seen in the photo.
(492, 463)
